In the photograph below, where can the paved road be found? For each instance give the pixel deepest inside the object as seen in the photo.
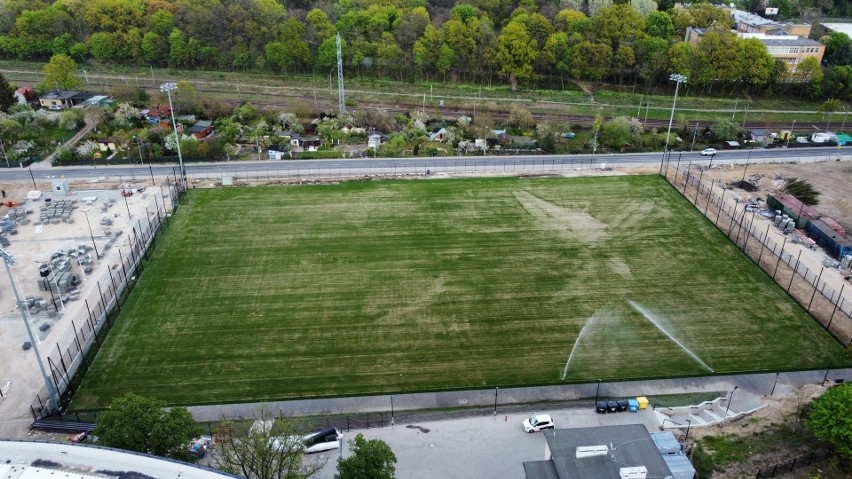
(419, 166)
(759, 384)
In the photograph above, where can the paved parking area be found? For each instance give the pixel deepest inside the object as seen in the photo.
(480, 447)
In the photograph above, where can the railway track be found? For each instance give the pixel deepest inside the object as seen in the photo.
(325, 100)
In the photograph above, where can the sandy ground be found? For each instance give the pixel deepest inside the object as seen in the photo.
(20, 378)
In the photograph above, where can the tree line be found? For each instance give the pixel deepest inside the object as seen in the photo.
(523, 42)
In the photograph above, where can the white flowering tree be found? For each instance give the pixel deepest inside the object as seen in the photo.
(125, 115)
(287, 120)
(87, 148)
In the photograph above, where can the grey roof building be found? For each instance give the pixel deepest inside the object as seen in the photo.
(612, 452)
(43, 460)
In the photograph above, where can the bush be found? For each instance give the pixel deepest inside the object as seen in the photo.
(703, 462)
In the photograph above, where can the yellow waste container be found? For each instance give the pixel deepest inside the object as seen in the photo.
(643, 402)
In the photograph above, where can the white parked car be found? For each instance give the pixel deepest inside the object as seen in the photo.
(54, 108)
(708, 152)
(325, 440)
(539, 422)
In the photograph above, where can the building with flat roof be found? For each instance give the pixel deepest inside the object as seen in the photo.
(606, 452)
(789, 48)
(47, 460)
(838, 27)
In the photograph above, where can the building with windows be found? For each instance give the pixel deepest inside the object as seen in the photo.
(789, 48)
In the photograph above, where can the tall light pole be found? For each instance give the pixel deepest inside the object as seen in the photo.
(53, 400)
(790, 135)
(139, 149)
(678, 79)
(167, 88)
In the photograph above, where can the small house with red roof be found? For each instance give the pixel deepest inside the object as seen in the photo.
(26, 95)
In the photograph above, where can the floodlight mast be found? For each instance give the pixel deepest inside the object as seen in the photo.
(678, 79)
(168, 88)
(53, 393)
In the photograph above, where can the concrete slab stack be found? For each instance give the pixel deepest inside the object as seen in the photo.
(56, 212)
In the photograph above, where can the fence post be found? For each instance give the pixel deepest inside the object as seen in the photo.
(841, 298)
(815, 288)
(795, 270)
(779, 258)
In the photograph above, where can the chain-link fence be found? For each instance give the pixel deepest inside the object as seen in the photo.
(778, 470)
(829, 304)
(73, 356)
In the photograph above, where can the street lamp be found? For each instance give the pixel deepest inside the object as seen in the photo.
(496, 388)
(53, 400)
(731, 398)
(139, 149)
(167, 88)
(678, 79)
(791, 134)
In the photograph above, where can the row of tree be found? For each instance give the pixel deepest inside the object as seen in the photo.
(626, 41)
(142, 424)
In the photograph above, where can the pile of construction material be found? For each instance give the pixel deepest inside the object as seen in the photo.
(107, 205)
(56, 276)
(37, 304)
(18, 215)
(55, 212)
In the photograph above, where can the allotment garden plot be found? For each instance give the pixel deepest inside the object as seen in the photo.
(266, 293)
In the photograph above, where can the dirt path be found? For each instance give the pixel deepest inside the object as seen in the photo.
(90, 124)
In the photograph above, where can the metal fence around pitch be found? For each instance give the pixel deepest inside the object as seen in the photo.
(830, 306)
(544, 165)
(777, 470)
(68, 363)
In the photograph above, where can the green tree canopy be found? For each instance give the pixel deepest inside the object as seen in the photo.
(591, 61)
(830, 419)
(785, 8)
(838, 81)
(659, 24)
(267, 448)
(7, 94)
(370, 459)
(61, 72)
(141, 424)
(838, 49)
(615, 133)
(515, 53)
(804, 191)
(619, 24)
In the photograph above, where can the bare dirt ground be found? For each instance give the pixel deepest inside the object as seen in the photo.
(782, 411)
(832, 179)
(20, 379)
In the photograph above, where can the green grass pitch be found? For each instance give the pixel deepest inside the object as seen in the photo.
(256, 294)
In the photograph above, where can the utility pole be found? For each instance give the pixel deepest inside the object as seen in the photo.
(53, 393)
(340, 96)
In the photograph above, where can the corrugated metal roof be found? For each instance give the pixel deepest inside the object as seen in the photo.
(795, 206)
(666, 442)
(841, 240)
(680, 466)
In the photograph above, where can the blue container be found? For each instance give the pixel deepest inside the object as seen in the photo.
(632, 405)
(835, 244)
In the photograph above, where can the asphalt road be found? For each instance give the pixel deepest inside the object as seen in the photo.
(380, 166)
